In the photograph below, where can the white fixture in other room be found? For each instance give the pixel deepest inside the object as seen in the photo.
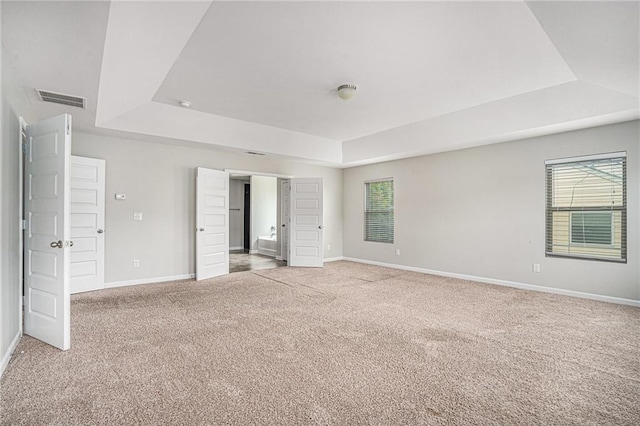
(185, 104)
(347, 91)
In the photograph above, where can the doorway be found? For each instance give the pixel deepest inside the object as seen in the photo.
(255, 219)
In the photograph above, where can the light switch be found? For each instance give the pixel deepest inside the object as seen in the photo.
(121, 196)
(137, 216)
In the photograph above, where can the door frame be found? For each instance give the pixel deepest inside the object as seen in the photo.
(278, 197)
(22, 140)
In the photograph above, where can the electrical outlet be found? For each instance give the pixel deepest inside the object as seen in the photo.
(328, 247)
(136, 263)
(397, 252)
(536, 268)
(137, 216)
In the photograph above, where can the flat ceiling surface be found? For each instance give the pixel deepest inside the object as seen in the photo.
(261, 76)
(279, 64)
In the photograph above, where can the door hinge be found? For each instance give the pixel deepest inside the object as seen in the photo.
(24, 224)
(68, 125)
(24, 148)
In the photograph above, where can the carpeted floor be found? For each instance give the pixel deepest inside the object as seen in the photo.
(348, 344)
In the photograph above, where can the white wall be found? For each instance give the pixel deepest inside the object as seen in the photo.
(236, 214)
(481, 212)
(159, 181)
(14, 104)
(264, 194)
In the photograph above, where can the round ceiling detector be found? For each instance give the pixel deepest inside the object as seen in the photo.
(185, 104)
(347, 91)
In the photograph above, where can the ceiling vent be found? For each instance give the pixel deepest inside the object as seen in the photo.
(62, 99)
(254, 153)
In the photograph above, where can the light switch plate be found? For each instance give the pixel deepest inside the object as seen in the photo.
(137, 216)
(121, 196)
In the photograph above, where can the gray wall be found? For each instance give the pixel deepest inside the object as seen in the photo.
(480, 212)
(14, 105)
(159, 181)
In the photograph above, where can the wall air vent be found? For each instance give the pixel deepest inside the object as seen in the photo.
(253, 153)
(60, 98)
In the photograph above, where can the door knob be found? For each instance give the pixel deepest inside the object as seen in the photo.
(58, 244)
(201, 229)
(100, 231)
(320, 227)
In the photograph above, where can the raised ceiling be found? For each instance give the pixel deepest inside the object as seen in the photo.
(261, 76)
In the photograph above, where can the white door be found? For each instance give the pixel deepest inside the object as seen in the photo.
(87, 223)
(285, 209)
(305, 236)
(212, 223)
(47, 237)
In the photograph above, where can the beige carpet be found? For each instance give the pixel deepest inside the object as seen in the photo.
(349, 344)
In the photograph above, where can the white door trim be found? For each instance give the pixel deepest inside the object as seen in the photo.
(253, 173)
(21, 225)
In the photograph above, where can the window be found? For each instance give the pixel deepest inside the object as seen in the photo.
(591, 228)
(378, 211)
(586, 213)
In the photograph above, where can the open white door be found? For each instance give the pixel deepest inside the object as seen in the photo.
(47, 237)
(87, 223)
(306, 235)
(285, 209)
(212, 223)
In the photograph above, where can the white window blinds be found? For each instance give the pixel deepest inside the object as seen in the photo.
(378, 211)
(586, 214)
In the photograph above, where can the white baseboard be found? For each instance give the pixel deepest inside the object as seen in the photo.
(237, 248)
(532, 287)
(115, 284)
(278, 257)
(254, 252)
(7, 355)
(333, 259)
(267, 252)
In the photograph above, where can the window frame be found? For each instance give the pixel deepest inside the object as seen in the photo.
(549, 210)
(392, 211)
